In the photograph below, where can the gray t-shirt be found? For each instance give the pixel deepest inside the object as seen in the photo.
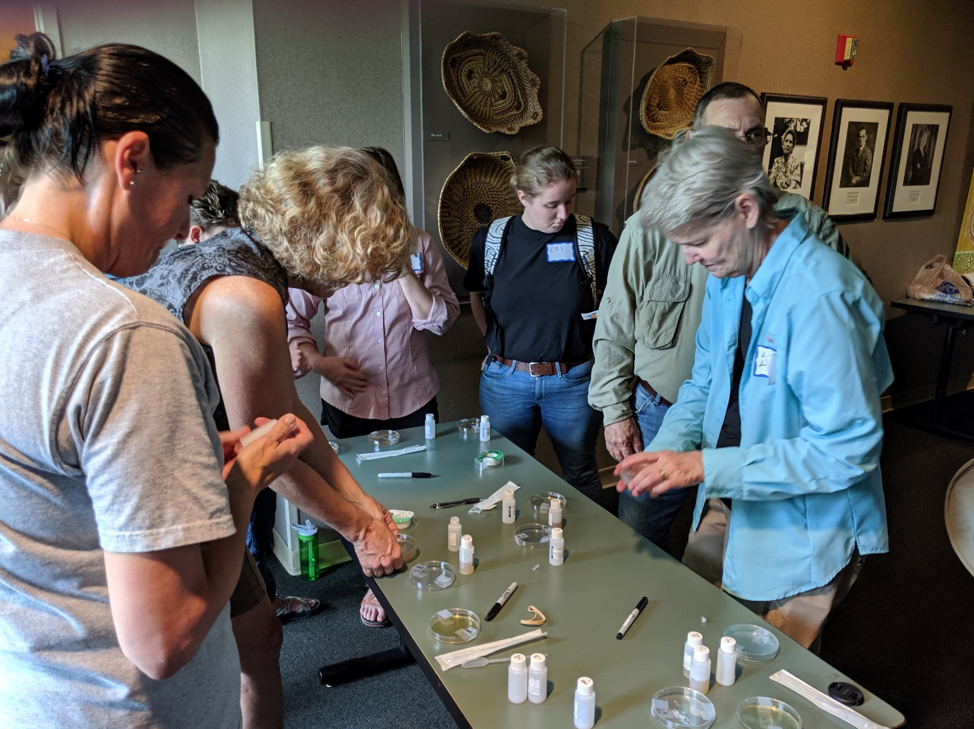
(106, 443)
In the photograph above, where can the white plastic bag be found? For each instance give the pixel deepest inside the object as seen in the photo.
(937, 281)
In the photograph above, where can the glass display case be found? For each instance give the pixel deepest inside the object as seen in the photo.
(616, 153)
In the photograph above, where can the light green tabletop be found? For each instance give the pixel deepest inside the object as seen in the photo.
(608, 568)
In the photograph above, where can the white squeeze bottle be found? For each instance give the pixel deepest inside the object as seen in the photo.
(556, 547)
(509, 513)
(466, 555)
(537, 679)
(517, 679)
(585, 704)
(453, 533)
(554, 513)
(727, 661)
(484, 428)
(693, 640)
(430, 426)
(700, 669)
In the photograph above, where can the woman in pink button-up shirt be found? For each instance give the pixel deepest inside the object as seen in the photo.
(375, 369)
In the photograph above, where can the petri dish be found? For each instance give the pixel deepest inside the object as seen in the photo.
(384, 437)
(468, 426)
(403, 519)
(335, 447)
(678, 707)
(432, 576)
(532, 536)
(542, 501)
(454, 625)
(763, 712)
(410, 550)
(754, 643)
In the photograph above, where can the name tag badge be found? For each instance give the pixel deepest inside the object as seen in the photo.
(561, 252)
(416, 262)
(764, 362)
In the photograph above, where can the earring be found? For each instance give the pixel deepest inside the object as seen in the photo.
(132, 183)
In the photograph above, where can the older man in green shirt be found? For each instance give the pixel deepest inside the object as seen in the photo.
(645, 334)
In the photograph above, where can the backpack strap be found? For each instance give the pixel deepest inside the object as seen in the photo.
(585, 242)
(492, 246)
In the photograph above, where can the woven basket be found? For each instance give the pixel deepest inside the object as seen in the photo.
(671, 96)
(637, 201)
(489, 81)
(478, 191)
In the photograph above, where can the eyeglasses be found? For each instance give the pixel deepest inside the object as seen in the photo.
(757, 135)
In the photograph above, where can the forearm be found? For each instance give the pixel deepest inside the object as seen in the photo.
(418, 297)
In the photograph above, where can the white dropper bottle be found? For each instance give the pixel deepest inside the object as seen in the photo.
(509, 513)
(537, 679)
(727, 661)
(453, 533)
(466, 555)
(585, 704)
(517, 679)
(700, 669)
(693, 640)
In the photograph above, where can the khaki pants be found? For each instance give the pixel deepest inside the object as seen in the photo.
(800, 617)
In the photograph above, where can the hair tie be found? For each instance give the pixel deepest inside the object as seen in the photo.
(48, 69)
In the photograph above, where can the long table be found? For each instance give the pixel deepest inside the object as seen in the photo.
(608, 567)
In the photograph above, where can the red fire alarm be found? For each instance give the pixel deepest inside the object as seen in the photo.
(845, 50)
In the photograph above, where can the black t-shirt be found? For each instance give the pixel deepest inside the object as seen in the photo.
(730, 431)
(536, 305)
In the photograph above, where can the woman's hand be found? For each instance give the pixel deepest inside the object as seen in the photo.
(659, 472)
(300, 365)
(344, 373)
(262, 461)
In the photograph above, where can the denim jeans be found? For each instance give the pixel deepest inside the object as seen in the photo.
(651, 517)
(519, 404)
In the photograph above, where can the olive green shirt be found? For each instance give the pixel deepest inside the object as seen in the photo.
(651, 309)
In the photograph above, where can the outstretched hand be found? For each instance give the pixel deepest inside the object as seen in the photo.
(659, 472)
(378, 550)
(269, 456)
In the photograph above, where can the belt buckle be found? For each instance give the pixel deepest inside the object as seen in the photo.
(531, 369)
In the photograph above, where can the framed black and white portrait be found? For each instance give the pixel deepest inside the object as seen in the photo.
(918, 155)
(791, 156)
(860, 131)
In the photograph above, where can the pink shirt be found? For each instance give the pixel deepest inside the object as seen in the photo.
(372, 324)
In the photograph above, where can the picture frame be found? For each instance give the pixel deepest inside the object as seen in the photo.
(857, 150)
(800, 120)
(917, 160)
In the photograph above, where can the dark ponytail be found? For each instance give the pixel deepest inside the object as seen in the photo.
(58, 111)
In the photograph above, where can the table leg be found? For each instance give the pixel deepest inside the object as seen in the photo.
(943, 377)
(353, 669)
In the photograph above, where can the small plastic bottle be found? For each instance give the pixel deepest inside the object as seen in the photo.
(484, 428)
(453, 533)
(538, 679)
(585, 704)
(430, 426)
(693, 640)
(554, 513)
(517, 679)
(727, 661)
(308, 547)
(466, 555)
(700, 669)
(556, 547)
(509, 513)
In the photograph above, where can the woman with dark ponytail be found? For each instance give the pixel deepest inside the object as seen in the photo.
(120, 540)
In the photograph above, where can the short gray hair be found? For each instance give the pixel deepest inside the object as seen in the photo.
(699, 179)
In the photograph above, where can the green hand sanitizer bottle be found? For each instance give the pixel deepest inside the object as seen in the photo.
(308, 538)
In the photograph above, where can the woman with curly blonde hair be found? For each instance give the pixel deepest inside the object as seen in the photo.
(317, 219)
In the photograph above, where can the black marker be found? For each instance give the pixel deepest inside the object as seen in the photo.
(632, 618)
(500, 602)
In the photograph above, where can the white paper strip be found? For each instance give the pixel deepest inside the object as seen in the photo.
(494, 499)
(389, 454)
(454, 659)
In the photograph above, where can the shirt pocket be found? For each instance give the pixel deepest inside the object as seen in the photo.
(658, 314)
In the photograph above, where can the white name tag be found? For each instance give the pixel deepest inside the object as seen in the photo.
(764, 362)
(560, 252)
(416, 262)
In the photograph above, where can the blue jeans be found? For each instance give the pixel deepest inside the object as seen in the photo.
(651, 517)
(519, 404)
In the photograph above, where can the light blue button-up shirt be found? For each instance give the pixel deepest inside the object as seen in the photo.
(805, 481)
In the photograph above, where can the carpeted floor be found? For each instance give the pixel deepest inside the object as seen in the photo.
(905, 631)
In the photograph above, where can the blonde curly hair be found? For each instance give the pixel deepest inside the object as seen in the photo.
(329, 216)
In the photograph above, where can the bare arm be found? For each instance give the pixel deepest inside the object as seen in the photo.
(242, 319)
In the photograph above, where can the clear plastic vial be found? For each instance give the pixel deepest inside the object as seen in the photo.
(484, 428)
(693, 640)
(517, 679)
(466, 555)
(554, 513)
(700, 669)
(727, 661)
(537, 679)
(453, 533)
(430, 426)
(556, 547)
(509, 513)
(585, 704)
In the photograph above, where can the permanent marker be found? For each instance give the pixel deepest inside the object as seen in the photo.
(632, 618)
(406, 474)
(500, 602)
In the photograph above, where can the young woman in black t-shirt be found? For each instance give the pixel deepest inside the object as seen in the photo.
(536, 311)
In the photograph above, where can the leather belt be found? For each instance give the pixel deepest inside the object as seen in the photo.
(652, 392)
(538, 369)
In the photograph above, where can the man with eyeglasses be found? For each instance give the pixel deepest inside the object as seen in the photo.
(648, 319)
